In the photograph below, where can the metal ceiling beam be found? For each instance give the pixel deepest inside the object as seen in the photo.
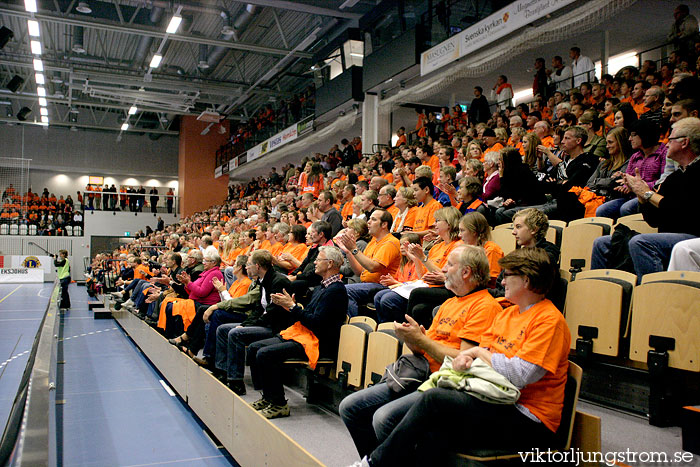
(94, 127)
(141, 31)
(305, 8)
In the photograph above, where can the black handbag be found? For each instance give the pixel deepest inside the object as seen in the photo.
(406, 374)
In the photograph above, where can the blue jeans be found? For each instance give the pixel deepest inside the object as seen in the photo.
(361, 293)
(652, 252)
(390, 306)
(371, 414)
(618, 207)
(216, 319)
(231, 342)
(649, 252)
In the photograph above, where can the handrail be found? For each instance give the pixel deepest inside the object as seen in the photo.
(29, 437)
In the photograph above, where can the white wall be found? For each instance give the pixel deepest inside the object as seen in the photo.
(117, 223)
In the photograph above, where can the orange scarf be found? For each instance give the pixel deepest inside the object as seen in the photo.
(297, 332)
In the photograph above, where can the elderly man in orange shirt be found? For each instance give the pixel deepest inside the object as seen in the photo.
(381, 256)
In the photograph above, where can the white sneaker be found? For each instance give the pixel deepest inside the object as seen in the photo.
(361, 463)
(128, 303)
(117, 294)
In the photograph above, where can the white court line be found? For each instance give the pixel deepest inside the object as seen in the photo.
(20, 319)
(177, 461)
(167, 388)
(3, 298)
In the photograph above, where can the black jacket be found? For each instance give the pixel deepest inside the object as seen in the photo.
(274, 316)
(307, 270)
(678, 210)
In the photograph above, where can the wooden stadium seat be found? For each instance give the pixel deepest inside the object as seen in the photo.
(507, 225)
(364, 319)
(554, 233)
(605, 222)
(504, 238)
(577, 243)
(691, 277)
(386, 326)
(631, 217)
(382, 350)
(564, 432)
(664, 335)
(352, 349)
(597, 311)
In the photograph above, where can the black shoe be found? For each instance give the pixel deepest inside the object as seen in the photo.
(117, 306)
(237, 386)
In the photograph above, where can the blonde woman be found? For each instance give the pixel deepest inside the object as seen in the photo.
(474, 230)
(405, 201)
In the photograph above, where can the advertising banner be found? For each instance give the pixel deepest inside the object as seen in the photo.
(505, 21)
(25, 268)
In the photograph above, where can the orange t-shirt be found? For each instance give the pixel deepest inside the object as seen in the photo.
(265, 245)
(141, 271)
(640, 108)
(346, 213)
(548, 141)
(388, 177)
(408, 223)
(462, 318)
(299, 251)
(496, 147)
(434, 164)
(539, 336)
(440, 251)
(393, 210)
(424, 215)
(239, 287)
(493, 254)
(407, 273)
(276, 249)
(386, 252)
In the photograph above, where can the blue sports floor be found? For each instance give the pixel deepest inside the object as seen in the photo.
(112, 409)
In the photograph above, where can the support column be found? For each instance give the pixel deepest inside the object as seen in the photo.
(198, 189)
(604, 52)
(376, 125)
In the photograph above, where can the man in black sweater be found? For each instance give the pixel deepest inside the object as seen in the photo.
(304, 276)
(314, 334)
(266, 320)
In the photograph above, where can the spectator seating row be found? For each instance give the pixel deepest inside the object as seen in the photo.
(32, 229)
(575, 238)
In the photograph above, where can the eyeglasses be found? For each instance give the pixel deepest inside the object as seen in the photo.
(676, 137)
(511, 274)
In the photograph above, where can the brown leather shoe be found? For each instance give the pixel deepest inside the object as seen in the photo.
(200, 361)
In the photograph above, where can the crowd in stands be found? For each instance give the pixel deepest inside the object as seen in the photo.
(131, 198)
(51, 216)
(404, 235)
(270, 120)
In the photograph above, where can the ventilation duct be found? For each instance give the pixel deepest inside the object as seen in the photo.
(78, 40)
(203, 57)
(144, 45)
(231, 32)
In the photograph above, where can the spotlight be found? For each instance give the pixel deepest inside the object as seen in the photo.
(84, 7)
(15, 83)
(23, 113)
(5, 35)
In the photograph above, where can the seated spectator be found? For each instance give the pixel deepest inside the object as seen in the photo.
(649, 159)
(610, 169)
(468, 197)
(381, 256)
(405, 202)
(475, 230)
(492, 180)
(304, 276)
(685, 256)
(361, 233)
(668, 209)
(527, 343)
(388, 303)
(293, 252)
(423, 189)
(314, 334)
(519, 186)
(371, 414)
(266, 320)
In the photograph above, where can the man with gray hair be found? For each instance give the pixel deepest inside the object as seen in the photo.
(314, 334)
(654, 101)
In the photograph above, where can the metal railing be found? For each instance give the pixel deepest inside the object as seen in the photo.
(29, 437)
(130, 202)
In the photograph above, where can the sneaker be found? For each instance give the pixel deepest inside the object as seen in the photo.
(260, 404)
(238, 387)
(275, 411)
(128, 303)
(361, 463)
(117, 294)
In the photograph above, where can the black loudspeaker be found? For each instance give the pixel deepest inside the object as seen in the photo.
(15, 83)
(23, 113)
(5, 35)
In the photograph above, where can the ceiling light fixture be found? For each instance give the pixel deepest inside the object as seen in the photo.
(41, 91)
(38, 65)
(33, 28)
(36, 47)
(125, 126)
(30, 5)
(44, 111)
(45, 119)
(133, 110)
(155, 61)
(42, 101)
(174, 24)
(39, 78)
(84, 7)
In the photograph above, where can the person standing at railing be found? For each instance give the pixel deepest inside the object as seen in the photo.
(582, 67)
(502, 93)
(560, 77)
(479, 108)
(154, 199)
(63, 275)
(684, 31)
(170, 198)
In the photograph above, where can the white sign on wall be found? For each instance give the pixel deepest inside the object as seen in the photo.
(503, 22)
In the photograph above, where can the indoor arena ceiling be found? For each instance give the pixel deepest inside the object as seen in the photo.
(226, 54)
